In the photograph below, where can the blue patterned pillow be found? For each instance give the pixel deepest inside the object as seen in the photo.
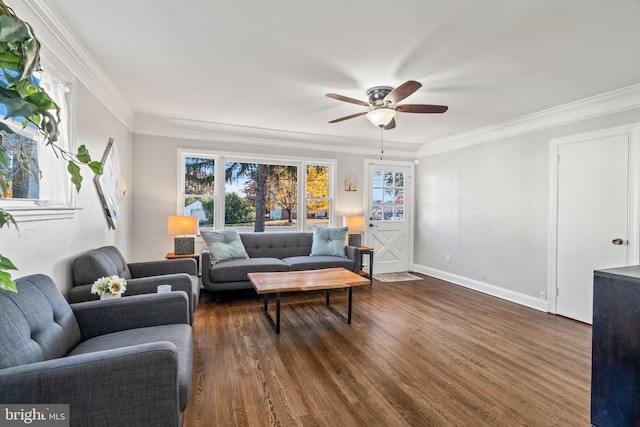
(224, 245)
(328, 241)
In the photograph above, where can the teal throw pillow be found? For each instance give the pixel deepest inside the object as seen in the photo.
(328, 241)
(224, 245)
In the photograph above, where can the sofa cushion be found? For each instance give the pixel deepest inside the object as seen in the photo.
(277, 245)
(38, 323)
(328, 241)
(180, 335)
(236, 270)
(300, 263)
(224, 245)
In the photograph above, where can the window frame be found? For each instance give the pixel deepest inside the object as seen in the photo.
(331, 194)
(62, 204)
(221, 158)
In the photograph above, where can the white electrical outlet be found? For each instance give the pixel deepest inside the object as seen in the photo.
(543, 295)
(447, 258)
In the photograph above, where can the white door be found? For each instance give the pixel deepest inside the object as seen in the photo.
(592, 218)
(388, 217)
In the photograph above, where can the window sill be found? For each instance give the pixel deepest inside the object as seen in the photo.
(41, 213)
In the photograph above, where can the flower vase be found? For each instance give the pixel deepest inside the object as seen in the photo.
(108, 295)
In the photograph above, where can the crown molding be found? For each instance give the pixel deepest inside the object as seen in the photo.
(607, 103)
(69, 53)
(57, 40)
(218, 132)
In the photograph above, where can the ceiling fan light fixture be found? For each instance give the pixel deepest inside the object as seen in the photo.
(381, 116)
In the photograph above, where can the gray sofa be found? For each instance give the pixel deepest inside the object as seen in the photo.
(141, 277)
(119, 362)
(271, 252)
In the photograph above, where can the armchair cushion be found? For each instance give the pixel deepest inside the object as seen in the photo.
(106, 261)
(38, 323)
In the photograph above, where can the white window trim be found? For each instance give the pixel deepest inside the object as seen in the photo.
(219, 184)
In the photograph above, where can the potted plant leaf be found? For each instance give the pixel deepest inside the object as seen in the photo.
(25, 101)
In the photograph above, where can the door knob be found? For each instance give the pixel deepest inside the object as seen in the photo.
(617, 241)
(372, 225)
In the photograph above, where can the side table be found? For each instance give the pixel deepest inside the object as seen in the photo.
(366, 250)
(171, 255)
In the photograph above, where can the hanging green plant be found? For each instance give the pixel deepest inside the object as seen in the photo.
(25, 100)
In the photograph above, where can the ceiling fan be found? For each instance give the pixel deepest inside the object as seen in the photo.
(383, 104)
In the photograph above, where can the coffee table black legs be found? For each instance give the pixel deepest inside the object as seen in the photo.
(340, 315)
(276, 324)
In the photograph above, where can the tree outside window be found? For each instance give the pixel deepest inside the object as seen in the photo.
(199, 189)
(318, 202)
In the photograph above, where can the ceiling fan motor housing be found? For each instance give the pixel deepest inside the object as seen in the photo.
(376, 94)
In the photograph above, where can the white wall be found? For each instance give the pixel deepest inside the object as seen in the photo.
(486, 206)
(49, 246)
(155, 185)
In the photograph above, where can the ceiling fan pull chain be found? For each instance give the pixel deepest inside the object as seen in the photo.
(381, 142)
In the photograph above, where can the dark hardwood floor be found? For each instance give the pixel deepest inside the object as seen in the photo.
(419, 353)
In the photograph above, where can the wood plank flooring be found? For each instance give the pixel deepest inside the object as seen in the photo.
(418, 353)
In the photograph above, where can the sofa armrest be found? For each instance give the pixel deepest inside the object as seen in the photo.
(156, 268)
(134, 385)
(139, 286)
(138, 311)
(353, 253)
(179, 282)
(205, 256)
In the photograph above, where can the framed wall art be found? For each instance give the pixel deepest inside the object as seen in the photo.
(111, 185)
(350, 185)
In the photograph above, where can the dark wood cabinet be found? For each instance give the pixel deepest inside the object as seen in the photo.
(615, 369)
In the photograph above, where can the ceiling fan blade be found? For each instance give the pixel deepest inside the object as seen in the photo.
(402, 91)
(347, 99)
(390, 125)
(352, 116)
(421, 108)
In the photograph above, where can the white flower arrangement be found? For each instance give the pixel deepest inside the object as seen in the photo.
(113, 284)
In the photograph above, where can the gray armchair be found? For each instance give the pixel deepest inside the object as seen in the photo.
(118, 362)
(142, 277)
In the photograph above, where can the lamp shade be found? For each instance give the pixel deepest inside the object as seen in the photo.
(381, 116)
(181, 225)
(355, 223)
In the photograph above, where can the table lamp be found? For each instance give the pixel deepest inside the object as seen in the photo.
(356, 227)
(180, 226)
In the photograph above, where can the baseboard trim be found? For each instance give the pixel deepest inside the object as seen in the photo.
(485, 288)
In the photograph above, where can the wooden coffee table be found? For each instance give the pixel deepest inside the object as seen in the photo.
(310, 280)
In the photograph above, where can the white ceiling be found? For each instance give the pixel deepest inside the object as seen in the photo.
(268, 64)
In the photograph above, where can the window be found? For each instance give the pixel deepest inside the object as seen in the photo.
(48, 192)
(198, 195)
(318, 202)
(22, 148)
(259, 194)
(388, 196)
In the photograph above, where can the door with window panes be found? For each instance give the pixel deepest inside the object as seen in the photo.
(388, 217)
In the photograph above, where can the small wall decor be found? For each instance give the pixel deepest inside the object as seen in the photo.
(111, 185)
(350, 185)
